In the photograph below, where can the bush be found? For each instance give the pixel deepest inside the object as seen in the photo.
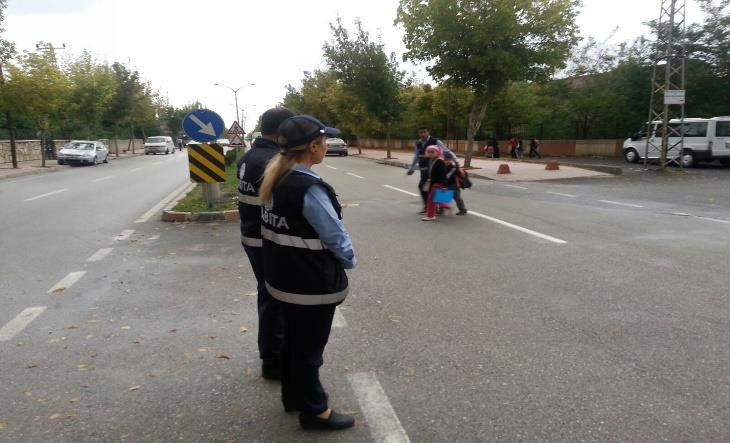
(231, 157)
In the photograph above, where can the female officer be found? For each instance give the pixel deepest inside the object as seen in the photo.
(306, 250)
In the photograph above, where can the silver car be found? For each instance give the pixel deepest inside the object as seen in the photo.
(83, 152)
(336, 146)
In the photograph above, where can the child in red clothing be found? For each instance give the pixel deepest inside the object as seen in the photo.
(436, 179)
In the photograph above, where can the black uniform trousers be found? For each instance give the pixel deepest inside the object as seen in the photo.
(421, 183)
(271, 314)
(307, 332)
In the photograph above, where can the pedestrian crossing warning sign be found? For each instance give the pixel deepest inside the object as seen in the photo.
(206, 163)
(236, 129)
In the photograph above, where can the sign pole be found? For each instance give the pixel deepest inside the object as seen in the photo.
(211, 193)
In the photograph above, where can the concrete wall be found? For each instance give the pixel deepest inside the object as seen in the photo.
(553, 148)
(30, 150)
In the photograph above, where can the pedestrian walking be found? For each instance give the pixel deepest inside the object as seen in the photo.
(534, 147)
(250, 172)
(512, 143)
(436, 180)
(453, 182)
(306, 250)
(421, 161)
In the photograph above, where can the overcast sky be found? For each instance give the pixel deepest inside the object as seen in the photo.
(183, 47)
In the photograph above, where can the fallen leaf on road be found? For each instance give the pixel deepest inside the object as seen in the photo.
(54, 340)
(223, 355)
(83, 367)
(75, 400)
(138, 340)
(55, 416)
(248, 371)
(350, 413)
(57, 290)
(72, 327)
(32, 365)
(28, 393)
(243, 329)
(72, 415)
(172, 331)
(202, 349)
(93, 321)
(126, 327)
(212, 337)
(3, 425)
(135, 388)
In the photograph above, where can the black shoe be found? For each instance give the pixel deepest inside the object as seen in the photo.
(422, 211)
(334, 422)
(464, 212)
(271, 372)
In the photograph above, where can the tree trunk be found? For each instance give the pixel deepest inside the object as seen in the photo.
(116, 140)
(11, 133)
(387, 141)
(476, 116)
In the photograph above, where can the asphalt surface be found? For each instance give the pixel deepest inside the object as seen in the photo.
(564, 311)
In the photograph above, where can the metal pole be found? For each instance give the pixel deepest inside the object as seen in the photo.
(235, 95)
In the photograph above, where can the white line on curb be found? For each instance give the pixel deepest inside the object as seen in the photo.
(339, 320)
(46, 195)
(379, 414)
(610, 202)
(331, 167)
(19, 323)
(124, 235)
(401, 190)
(156, 208)
(519, 228)
(354, 175)
(561, 194)
(514, 186)
(97, 180)
(100, 254)
(67, 281)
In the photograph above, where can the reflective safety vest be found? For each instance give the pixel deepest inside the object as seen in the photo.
(250, 173)
(298, 267)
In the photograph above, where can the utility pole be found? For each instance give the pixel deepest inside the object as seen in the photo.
(51, 50)
(235, 95)
(668, 86)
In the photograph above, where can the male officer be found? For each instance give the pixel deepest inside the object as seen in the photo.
(419, 159)
(250, 172)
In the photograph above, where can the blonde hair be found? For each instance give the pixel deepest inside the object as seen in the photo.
(277, 170)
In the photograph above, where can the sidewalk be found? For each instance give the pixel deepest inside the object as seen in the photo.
(487, 168)
(34, 166)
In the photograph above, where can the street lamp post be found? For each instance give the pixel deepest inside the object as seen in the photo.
(235, 94)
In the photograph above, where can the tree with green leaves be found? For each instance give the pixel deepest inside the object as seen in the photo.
(367, 73)
(484, 44)
(7, 51)
(92, 87)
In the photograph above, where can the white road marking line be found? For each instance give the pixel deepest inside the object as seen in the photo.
(727, 222)
(350, 205)
(124, 235)
(354, 175)
(45, 195)
(19, 323)
(97, 180)
(519, 228)
(401, 190)
(339, 320)
(154, 237)
(331, 167)
(156, 208)
(136, 169)
(381, 419)
(100, 254)
(561, 194)
(515, 186)
(610, 202)
(67, 281)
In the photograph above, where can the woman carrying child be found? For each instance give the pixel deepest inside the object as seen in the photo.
(436, 179)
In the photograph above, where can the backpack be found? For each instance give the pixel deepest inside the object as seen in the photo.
(462, 179)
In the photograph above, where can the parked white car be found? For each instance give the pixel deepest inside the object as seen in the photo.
(161, 144)
(336, 146)
(80, 152)
(705, 139)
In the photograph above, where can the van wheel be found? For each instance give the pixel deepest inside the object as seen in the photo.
(167, 151)
(688, 159)
(631, 155)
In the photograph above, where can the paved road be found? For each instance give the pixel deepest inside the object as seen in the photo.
(578, 310)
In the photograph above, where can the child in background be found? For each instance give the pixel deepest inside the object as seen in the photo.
(453, 181)
(436, 179)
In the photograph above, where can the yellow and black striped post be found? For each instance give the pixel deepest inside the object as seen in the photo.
(206, 163)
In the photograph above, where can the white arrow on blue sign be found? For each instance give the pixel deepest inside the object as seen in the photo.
(203, 125)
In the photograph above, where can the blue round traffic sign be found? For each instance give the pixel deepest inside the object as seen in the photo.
(203, 125)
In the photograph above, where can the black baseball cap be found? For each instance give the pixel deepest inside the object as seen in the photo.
(272, 118)
(301, 129)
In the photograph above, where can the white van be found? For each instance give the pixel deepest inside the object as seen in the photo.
(705, 139)
(158, 145)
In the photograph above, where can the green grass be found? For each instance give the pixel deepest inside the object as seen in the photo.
(193, 202)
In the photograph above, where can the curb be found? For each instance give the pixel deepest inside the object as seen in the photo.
(168, 215)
